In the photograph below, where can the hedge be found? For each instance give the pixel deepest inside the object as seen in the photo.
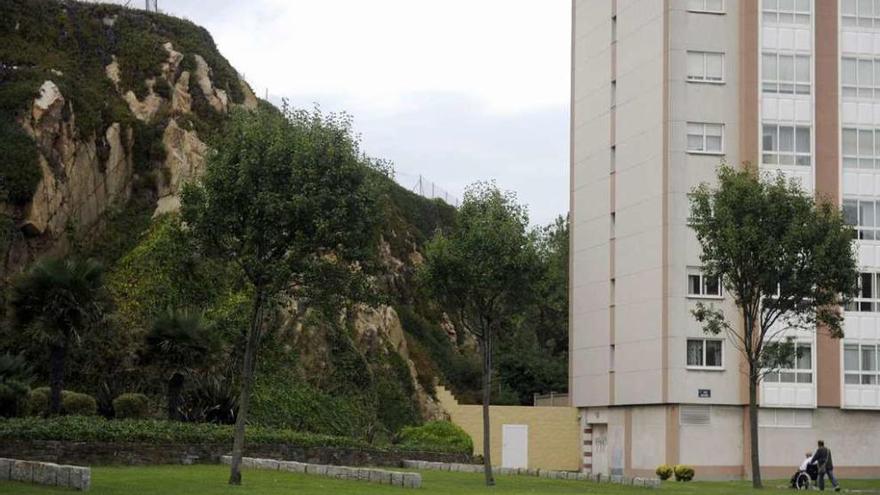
(98, 429)
(436, 433)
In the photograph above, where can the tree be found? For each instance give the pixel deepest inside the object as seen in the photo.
(480, 272)
(786, 260)
(289, 199)
(178, 341)
(551, 287)
(57, 301)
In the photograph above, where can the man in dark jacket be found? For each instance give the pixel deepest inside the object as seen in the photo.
(822, 459)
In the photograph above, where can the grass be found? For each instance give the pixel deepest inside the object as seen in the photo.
(211, 480)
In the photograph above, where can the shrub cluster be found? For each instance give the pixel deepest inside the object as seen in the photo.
(664, 471)
(683, 472)
(72, 403)
(131, 406)
(433, 434)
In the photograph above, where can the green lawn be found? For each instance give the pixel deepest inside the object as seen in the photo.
(210, 480)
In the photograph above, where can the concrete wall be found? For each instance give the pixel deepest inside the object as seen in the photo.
(636, 439)
(554, 432)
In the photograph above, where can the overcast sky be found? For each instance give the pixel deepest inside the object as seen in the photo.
(454, 90)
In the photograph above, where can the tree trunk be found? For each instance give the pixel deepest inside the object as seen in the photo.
(487, 393)
(175, 387)
(247, 378)
(56, 377)
(753, 427)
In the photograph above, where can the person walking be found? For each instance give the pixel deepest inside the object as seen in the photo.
(822, 459)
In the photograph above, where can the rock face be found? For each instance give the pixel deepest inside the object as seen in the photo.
(380, 326)
(77, 185)
(184, 161)
(84, 175)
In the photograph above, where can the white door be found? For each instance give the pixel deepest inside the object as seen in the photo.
(600, 449)
(515, 446)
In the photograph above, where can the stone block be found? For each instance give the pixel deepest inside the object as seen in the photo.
(363, 474)
(270, 464)
(412, 480)
(316, 469)
(292, 466)
(374, 476)
(45, 473)
(62, 476)
(248, 462)
(226, 459)
(397, 478)
(5, 469)
(22, 471)
(583, 477)
(80, 478)
(409, 464)
(333, 472)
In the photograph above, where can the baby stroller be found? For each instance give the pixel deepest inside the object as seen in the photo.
(802, 480)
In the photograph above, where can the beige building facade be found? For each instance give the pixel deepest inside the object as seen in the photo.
(663, 91)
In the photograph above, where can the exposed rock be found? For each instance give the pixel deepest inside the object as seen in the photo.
(447, 326)
(216, 97)
(146, 109)
(75, 184)
(250, 99)
(169, 67)
(184, 160)
(181, 99)
(50, 96)
(375, 326)
(112, 71)
(109, 21)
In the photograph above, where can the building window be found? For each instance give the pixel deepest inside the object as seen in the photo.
(786, 11)
(860, 13)
(862, 215)
(798, 369)
(700, 285)
(713, 6)
(861, 148)
(785, 145)
(868, 296)
(705, 67)
(705, 138)
(704, 353)
(860, 364)
(860, 77)
(785, 418)
(785, 73)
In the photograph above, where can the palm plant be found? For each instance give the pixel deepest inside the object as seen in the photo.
(15, 381)
(57, 300)
(178, 341)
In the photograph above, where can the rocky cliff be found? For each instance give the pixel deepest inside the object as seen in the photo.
(108, 112)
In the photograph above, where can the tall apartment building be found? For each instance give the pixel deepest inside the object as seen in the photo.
(663, 91)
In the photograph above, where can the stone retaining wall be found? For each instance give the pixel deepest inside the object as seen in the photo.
(46, 473)
(543, 473)
(395, 478)
(137, 453)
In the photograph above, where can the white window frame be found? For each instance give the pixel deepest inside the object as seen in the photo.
(769, 417)
(859, 160)
(704, 9)
(796, 371)
(792, 86)
(704, 293)
(867, 299)
(851, 16)
(862, 230)
(704, 366)
(804, 157)
(703, 77)
(862, 375)
(860, 89)
(776, 12)
(701, 131)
